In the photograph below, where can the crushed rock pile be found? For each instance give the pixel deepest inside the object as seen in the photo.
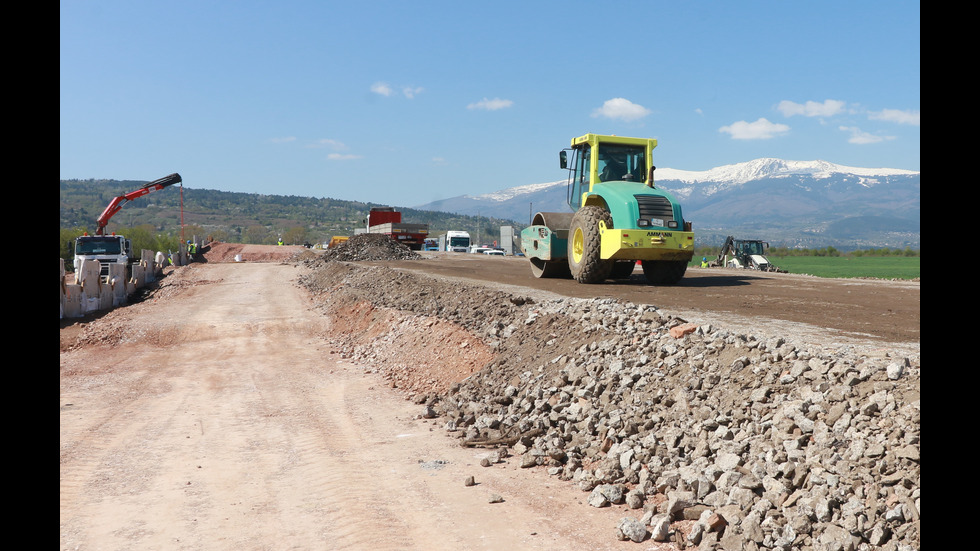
(367, 246)
(704, 435)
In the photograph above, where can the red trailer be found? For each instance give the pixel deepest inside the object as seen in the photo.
(388, 221)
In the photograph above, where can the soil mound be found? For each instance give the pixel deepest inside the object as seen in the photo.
(218, 251)
(369, 246)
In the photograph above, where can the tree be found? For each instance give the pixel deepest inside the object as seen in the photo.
(294, 236)
(219, 235)
(256, 235)
(68, 236)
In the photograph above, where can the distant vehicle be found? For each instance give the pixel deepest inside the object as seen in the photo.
(494, 252)
(745, 253)
(337, 240)
(388, 221)
(457, 241)
(430, 244)
(479, 250)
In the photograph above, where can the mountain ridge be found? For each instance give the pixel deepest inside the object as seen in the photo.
(792, 203)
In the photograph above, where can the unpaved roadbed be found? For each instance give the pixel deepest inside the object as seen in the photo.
(235, 408)
(215, 415)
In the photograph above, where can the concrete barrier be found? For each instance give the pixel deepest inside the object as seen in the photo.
(73, 300)
(88, 270)
(62, 287)
(91, 289)
(139, 276)
(91, 293)
(148, 263)
(105, 297)
(117, 285)
(90, 282)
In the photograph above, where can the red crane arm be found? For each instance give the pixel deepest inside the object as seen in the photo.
(121, 200)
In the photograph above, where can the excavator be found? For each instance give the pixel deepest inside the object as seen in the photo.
(108, 249)
(745, 253)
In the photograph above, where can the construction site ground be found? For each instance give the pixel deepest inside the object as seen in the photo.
(214, 413)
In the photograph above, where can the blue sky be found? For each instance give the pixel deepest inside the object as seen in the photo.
(403, 103)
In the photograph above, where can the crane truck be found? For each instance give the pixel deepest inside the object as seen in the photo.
(619, 216)
(112, 248)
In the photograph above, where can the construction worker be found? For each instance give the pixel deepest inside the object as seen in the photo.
(280, 241)
(704, 262)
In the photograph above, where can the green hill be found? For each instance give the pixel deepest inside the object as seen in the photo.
(245, 217)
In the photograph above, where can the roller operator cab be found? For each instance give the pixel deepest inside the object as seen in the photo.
(619, 217)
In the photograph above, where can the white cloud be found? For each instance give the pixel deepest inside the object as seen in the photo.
(382, 88)
(336, 145)
(491, 104)
(342, 156)
(811, 108)
(411, 92)
(328, 143)
(622, 109)
(895, 115)
(385, 89)
(861, 138)
(761, 129)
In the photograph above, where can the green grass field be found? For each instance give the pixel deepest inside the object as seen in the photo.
(885, 267)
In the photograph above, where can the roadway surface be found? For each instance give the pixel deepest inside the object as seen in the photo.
(873, 311)
(215, 415)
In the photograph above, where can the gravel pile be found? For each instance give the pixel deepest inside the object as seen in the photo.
(368, 246)
(704, 435)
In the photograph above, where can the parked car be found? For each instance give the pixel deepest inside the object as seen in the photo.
(494, 252)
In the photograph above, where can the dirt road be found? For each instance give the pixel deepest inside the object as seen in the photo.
(874, 311)
(213, 417)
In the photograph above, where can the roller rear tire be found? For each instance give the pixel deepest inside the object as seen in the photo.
(664, 272)
(622, 269)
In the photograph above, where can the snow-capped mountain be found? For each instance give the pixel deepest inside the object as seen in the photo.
(740, 173)
(805, 203)
(685, 182)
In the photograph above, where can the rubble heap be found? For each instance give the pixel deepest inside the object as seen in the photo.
(704, 435)
(368, 246)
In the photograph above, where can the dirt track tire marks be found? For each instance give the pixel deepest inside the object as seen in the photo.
(243, 430)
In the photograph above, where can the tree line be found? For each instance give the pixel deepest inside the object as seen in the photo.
(160, 220)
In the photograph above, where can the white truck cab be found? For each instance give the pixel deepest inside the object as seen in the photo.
(107, 249)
